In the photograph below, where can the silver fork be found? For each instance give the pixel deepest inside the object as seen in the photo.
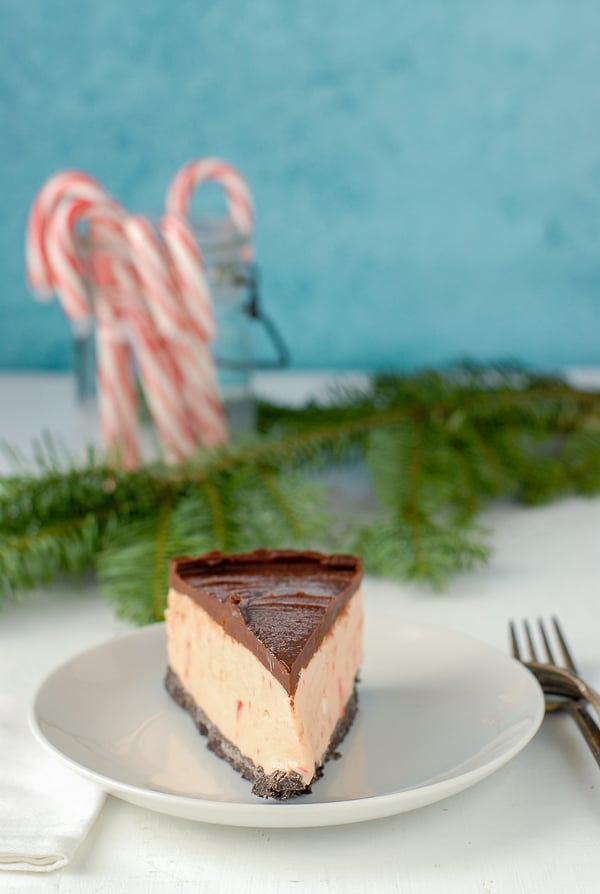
(562, 685)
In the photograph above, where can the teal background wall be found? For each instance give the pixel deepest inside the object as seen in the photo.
(426, 175)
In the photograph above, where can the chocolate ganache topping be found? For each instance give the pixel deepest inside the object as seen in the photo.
(279, 603)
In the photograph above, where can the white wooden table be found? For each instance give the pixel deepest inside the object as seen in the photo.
(533, 826)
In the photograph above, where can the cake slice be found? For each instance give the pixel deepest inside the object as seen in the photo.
(263, 651)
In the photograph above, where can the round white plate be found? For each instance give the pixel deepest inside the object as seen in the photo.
(437, 712)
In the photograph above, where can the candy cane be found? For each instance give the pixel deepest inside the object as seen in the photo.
(65, 183)
(156, 299)
(159, 372)
(155, 276)
(114, 284)
(201, 389)
(201, 170)
(163, 386)
(203, 394)
(117, 398)
(64, 264)
(118, 412)
(198, 382)
(189, 272)
(178, 201)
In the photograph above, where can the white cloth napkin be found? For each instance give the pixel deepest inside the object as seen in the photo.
(46, 809)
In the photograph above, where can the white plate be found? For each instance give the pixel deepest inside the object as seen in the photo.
(437, 713)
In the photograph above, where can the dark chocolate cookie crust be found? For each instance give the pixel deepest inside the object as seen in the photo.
(278, 785)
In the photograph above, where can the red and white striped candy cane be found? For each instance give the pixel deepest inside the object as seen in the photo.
(163, 386)
(201, 387)
(198, 384)
(74, 184)
(203, 394)
(114, 284)
(152, 268)
(150, 307)
(187, 266)
(64, 263)
(118, 411)
(158, 369)
(117, 398)
(201, 391)
(241, 213)
(201, 170)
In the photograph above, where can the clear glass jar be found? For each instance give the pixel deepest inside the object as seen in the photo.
(233, 281)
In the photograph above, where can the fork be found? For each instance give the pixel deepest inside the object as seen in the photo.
(562, 681)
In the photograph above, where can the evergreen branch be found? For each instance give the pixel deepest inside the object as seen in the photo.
(411, 512)
(129, 568)
(216, 507)
(282, 504)
(160, 560)
(494, 479)
(436, 447)
(28, 560)
(292, 449)
(467, 483)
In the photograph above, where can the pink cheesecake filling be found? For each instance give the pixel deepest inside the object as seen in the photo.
(275, 730)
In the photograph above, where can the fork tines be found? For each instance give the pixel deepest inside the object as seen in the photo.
(545, 639)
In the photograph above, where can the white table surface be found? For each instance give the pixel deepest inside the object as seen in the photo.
(533, 826)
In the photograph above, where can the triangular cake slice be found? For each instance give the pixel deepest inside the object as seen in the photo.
(263, 651)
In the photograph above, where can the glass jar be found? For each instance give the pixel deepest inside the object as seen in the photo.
(234, 288)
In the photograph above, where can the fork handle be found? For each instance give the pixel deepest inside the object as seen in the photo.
(587, 725)
(590, 695)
